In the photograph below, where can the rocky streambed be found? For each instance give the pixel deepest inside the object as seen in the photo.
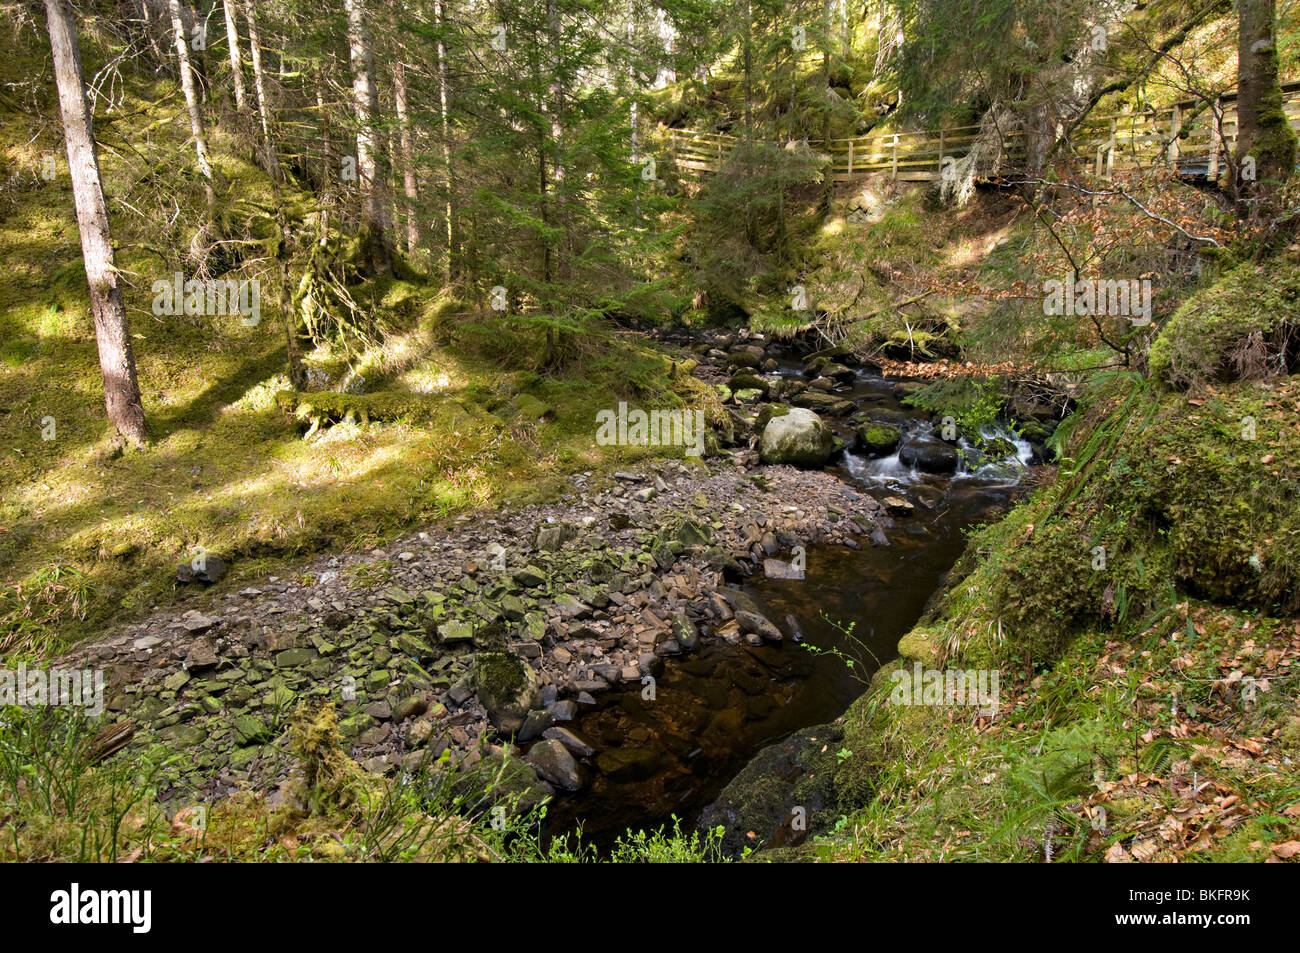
(497, 626)
(633, 645)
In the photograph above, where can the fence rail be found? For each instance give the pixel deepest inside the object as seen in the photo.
(1195, 137)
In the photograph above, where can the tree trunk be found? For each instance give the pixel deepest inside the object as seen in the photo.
(407, 149)
(270, 162)
(557, 135)
(1264, 137)
(116, 362)
(828, 187)
(632, 118)
(664, 31)
(327, 153)
(450, 269)
(749, 91)
(365, 96)
(192, 102)
(236, 64)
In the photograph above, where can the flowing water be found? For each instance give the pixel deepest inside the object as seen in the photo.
(713, 710)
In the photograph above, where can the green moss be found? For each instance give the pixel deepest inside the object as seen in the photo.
(1239, 328)
(878, 439)
(922, 645)
(767, 413)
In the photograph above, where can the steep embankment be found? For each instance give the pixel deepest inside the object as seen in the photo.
(1139, 610)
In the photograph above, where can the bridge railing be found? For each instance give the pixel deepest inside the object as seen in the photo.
(1192, 135)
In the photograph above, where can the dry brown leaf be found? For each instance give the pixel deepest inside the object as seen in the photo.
(1118, 855)
(1145, 850)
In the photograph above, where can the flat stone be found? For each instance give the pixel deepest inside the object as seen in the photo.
(780, 569)
(373, 736)
(250, 730)
(196, 622)
(752, 623)
(564, 710)
(455, 631)
(201, 656)
(292, 658)
(529, 577)
(535, 723)
(897, 506)
(398, 596)
(553, 763)
(411, 707)
(571, 741)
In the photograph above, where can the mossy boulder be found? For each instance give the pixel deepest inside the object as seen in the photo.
(783, 795)
(878, 440)
(1035, 432)
(743, 381)
(1245, 327)
(511, 783)
(767, 413)
(506, 686)
(922, 645)
(798, 437)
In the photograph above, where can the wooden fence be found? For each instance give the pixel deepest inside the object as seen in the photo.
(1196, 137)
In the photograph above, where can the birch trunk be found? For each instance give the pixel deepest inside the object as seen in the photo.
(197, 131)
(407, 148)
(116, 361)
(365, 96)
(236, 63)
(269, 160)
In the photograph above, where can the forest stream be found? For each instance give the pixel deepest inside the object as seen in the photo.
(669, 757)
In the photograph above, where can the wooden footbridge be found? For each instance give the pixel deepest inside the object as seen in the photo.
(1195, 137)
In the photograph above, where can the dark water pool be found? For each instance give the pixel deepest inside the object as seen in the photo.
(715, 709)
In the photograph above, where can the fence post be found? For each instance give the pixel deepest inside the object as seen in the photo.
(1110, 148)
(850, 157)
(1175, 127)
(941, 152)
(893, 172)
(1216, 115)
